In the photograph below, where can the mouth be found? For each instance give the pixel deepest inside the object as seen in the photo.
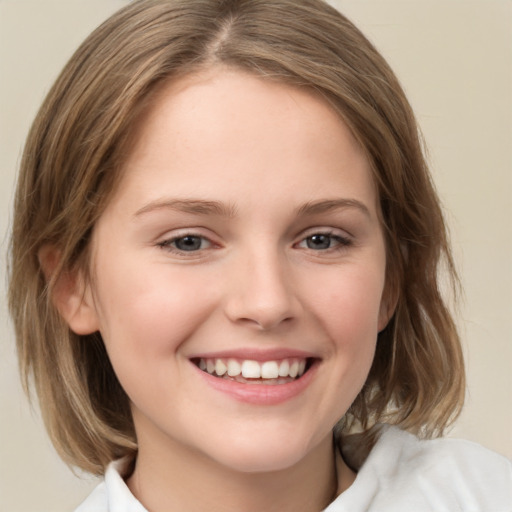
(248, 371)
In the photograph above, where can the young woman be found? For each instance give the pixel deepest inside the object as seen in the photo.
(224, 277)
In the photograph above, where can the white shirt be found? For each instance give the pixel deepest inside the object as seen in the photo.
(401, 474)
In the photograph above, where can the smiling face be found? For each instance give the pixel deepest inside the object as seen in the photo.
(238, 273)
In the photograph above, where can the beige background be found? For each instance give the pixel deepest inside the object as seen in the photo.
(455, 61)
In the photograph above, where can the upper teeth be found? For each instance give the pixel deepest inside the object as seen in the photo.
(250, 369)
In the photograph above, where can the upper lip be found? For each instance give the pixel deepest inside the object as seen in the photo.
(256, 354)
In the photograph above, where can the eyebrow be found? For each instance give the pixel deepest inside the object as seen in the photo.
(327, 205)
(194, 206)
(204, 207)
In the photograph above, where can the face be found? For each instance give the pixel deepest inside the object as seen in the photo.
(238, 272)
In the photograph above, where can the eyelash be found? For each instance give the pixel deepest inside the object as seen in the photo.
(340, 243)
(169, 244)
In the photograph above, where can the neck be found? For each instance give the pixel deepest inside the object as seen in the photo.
(181, 479)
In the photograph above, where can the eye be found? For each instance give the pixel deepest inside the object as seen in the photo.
(187, 243)
(324, 241)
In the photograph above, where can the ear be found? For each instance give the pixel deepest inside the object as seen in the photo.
(388, 305)
(71, 295)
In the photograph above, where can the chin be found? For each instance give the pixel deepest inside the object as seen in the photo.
(260, 462)
(261, 456)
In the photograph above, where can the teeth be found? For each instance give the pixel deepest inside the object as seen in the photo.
(249, 369)
(210, 366)
(234, 368)
(284, 368)
(294, 369)
(270, 370)
(220, 367)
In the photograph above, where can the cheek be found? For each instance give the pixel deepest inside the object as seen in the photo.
(348, 313)
(349, 304)
(148, 315)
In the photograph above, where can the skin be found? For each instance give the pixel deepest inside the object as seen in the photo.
(263, 153)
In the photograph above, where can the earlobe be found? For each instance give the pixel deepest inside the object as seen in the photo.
(70, 294)
(385, 315)
(387, 308)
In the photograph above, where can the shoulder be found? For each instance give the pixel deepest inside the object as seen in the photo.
(449, 474)
(112, 495)
(441, 455)
(403, 472)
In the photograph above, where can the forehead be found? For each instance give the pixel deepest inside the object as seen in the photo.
(225, 124)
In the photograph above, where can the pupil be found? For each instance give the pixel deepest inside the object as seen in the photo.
(188, 243)
(319, 242)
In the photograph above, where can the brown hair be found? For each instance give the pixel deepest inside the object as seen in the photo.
(73, 160)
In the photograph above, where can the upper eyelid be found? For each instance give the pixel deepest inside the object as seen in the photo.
(185, 235)
(172, 234)
(325, 230)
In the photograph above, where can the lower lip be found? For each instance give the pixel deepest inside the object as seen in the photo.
(261, 394)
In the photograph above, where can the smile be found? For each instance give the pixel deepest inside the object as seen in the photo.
(248, 371)
(263, 378)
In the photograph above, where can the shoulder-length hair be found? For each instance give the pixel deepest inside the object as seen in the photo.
(73, 160)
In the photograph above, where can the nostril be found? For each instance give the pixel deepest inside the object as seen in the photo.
(266, 322)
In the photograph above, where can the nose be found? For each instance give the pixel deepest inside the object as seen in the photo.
(262, 291)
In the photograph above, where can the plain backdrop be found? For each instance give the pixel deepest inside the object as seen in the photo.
(454, 59)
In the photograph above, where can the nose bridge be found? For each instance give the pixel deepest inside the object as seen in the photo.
(261, 291)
